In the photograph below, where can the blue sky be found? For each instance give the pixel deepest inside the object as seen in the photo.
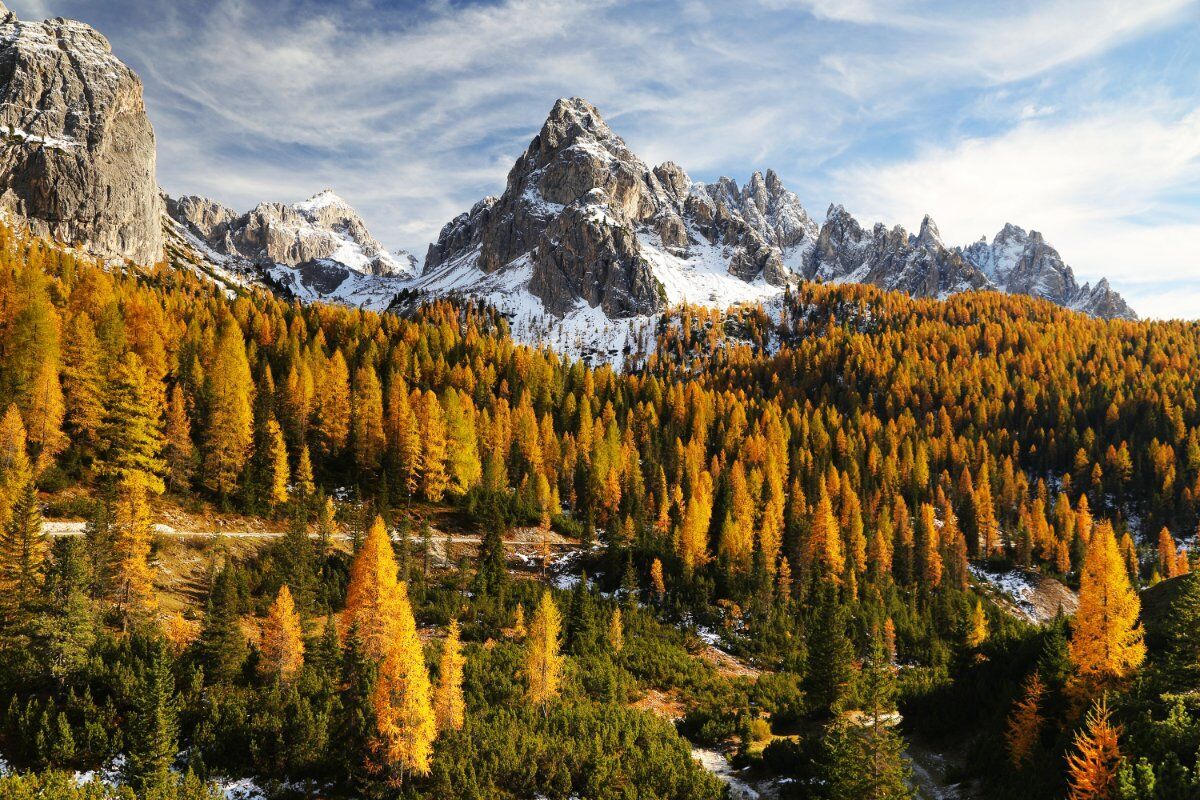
(1079, 118)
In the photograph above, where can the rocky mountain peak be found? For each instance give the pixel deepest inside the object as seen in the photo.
(78, 155)
(323, 228)
(929, 235)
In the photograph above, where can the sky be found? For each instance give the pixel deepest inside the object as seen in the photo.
(1077, 118)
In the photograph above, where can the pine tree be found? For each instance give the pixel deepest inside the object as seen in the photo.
(282, 639)
(448, 696)
(831, 656)
(132, 432)
(1025, 722)
(229, 434)
(304, 477)
(1106, 642)
(1183, 634)
(154, 731)
(543, 661)
(23, 552)
(1092, 769)
(518, 628)
(222, 645)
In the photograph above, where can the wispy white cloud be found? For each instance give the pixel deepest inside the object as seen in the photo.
(1103, 189)
(976, 111)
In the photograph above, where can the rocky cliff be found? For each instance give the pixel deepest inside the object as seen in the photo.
(77, 154)
(584, 224)
(595, 227)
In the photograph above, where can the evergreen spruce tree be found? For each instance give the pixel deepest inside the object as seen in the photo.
(831, 654)
(1182, 660)
(154, 729)
(23, 552)
(222, 645)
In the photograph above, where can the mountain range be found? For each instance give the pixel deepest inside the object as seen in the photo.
(586, 246)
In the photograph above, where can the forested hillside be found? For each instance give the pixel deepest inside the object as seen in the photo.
(811, 487)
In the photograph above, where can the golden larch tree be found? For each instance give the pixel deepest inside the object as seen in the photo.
(133, 536)
(825, 549)
(433, 451)
(693, 528)
(332, 417)
(277, 462)
(403, 697)
(616, 631)
(1092, 769)
(229, 434)
(657, 584)
(367, 434)
(282, 639)
(543, 661)
(1026, 721)
(1107, 644)
(977, 627)
(448, 703)
(371, 596)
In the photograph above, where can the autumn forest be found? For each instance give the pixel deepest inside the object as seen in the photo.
(479, 570)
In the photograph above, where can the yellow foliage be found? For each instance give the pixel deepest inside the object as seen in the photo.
(1092, 769)
(1106, 644)
(282, 639)
(448, 703)
(1025, 722)
(543, 662)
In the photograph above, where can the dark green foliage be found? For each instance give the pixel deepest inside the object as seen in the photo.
(154, 730)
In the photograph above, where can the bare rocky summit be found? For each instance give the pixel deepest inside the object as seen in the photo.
(77, 153)
(323, 227)
(583, 223)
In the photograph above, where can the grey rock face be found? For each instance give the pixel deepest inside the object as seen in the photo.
(324, 227)
(1016, 262)
(585, 211)
(1023, 262)
(919, 265)
(77, 157)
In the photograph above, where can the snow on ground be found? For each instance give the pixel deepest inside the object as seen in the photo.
(584, 332)
(241, 789)
(702, 276)
(716, 763)
(1032, 596)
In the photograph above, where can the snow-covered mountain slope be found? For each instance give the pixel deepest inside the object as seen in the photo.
(584, 225)
(319, 249)
(587, 246)
(1023, 263)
